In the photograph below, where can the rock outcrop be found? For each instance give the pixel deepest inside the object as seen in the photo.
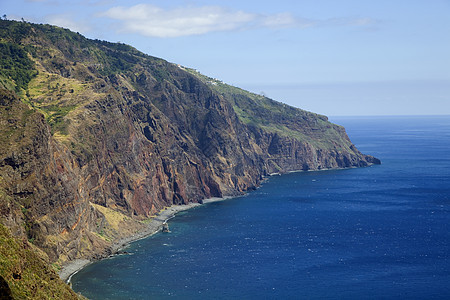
(96, 137)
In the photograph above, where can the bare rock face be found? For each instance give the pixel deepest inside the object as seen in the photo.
(110, 136)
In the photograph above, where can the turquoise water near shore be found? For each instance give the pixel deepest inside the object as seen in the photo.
(381, 232)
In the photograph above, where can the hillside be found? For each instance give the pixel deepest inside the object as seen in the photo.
(97, 137)
(25, 274)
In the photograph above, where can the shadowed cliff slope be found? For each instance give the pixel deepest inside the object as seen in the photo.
(96, 137)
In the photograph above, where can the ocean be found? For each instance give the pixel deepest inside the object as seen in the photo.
(381, 232)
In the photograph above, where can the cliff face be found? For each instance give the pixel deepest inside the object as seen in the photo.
(97, 137)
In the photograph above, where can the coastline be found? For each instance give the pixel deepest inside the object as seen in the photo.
(154, 226)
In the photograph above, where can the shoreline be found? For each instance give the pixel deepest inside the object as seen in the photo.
(154, 226)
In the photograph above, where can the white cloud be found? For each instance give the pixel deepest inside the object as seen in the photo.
(150, 20)
(154, 21)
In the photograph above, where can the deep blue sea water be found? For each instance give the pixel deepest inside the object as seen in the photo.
(381, 232)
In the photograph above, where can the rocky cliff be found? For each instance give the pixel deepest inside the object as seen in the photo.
(96, 137)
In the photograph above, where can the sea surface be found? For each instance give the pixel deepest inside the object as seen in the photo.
(381, 232)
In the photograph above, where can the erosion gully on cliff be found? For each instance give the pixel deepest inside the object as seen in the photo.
(96, 137)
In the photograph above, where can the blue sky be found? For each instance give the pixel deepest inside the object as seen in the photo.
(347, 57)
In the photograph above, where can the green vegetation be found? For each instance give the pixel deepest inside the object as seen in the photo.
(15, 65)
(26, 271)
(103, 57)
(14, 31)
(116, 58)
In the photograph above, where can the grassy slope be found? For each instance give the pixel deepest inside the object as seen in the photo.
(58, 70)
(27, 273)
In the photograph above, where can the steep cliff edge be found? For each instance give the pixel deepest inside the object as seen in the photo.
(97, 137)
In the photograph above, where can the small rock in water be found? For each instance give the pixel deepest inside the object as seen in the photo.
(165, 227)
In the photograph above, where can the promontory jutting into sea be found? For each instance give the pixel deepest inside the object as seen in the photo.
(101, 145)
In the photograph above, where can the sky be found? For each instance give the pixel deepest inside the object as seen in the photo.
(337, 58)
